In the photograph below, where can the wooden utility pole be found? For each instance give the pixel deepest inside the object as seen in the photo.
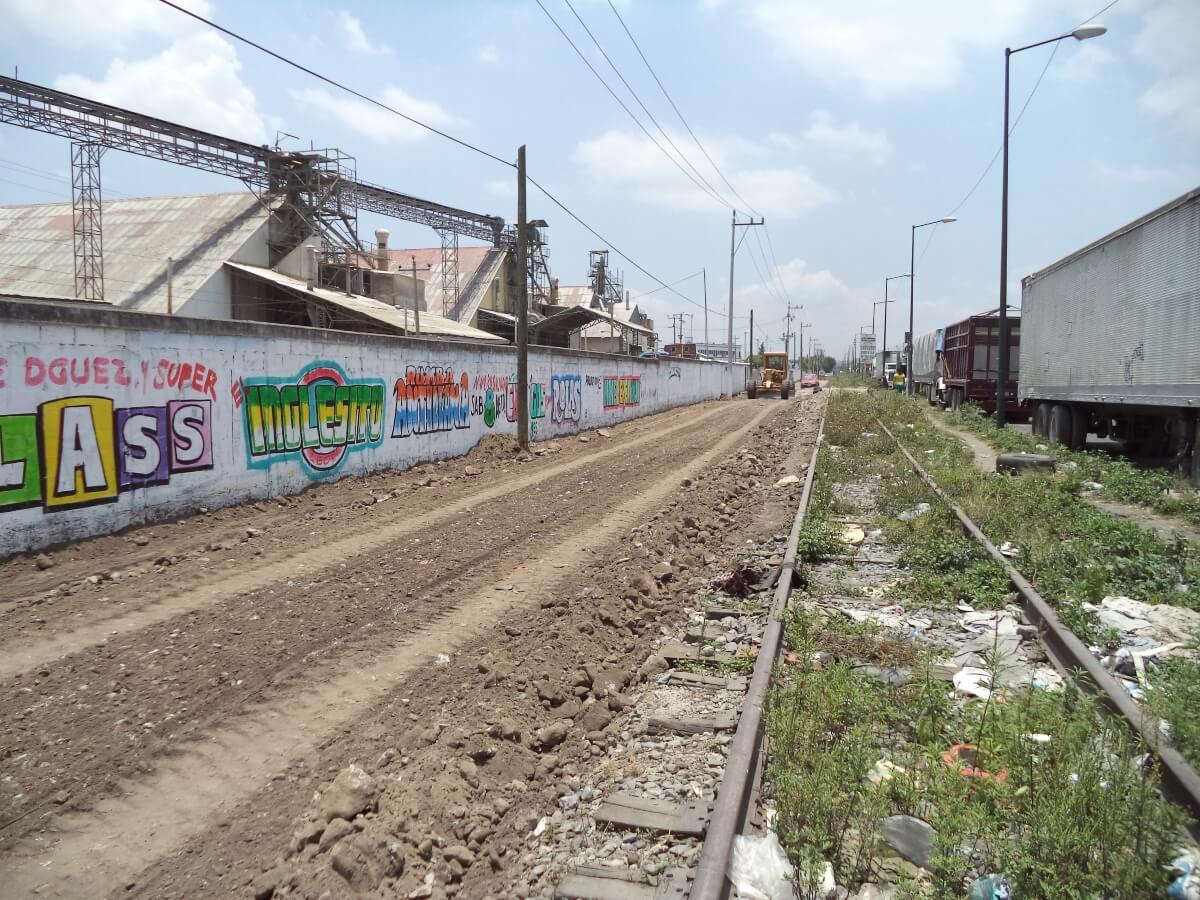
(705, 271)
(170, 286)
(522, 307)
(750, 341)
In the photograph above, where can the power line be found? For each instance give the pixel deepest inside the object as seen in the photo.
(342, 87)
(663, 88)
(713, 191)
(623, 105)
(1016, 121)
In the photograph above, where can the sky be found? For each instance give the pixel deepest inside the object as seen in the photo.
(842, 124)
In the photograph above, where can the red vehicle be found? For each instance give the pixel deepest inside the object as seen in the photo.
(969, 359)
(809, 380)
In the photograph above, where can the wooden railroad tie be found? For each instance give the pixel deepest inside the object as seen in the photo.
(630, 813)
(714, 682)
(663, 725)
(605, 883)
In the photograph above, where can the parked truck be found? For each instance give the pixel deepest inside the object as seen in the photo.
(960, 364)
(1112, 338)
(885, 365)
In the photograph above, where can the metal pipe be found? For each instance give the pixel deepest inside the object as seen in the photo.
(732, 805)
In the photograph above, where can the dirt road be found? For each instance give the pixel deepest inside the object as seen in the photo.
(172, 697)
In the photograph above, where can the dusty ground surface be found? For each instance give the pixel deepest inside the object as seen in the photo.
(174, 700)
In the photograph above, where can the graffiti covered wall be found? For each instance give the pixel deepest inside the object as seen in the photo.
(110, 418)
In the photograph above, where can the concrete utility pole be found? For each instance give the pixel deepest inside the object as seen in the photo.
(750, 340)
(705, 273)
(416, 304)
(522, 307)
(733, 227)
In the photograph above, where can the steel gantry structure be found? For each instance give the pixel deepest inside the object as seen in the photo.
(310, 192)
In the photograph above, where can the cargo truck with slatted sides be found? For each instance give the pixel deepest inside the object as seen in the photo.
(1111, 339)
(959, 364)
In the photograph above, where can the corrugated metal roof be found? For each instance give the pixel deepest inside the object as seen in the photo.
(200, 232)
(401, 319)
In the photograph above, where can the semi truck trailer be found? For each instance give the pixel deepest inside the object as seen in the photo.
(960, 364)
(1111, 344)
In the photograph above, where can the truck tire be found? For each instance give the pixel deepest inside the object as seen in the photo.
(1060, 424)
(1041, 420)
(1080, 420)
(751, 391)
(1195, 467)
(783, 391)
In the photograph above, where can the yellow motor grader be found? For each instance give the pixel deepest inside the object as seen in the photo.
(773, 379)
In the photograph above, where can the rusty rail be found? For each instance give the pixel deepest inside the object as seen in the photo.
(1181, 782)
(735, 794)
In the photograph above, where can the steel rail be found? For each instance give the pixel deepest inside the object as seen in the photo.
(734, 795)
(1181, 782)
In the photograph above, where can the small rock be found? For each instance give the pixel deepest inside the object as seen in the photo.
(353, 791)
(460, 854)
(786, 480)
(551, 736)
(909, 836)
(334, 832)
(472, 471)
(654, 665)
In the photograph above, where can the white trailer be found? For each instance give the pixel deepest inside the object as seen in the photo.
(1110, 339)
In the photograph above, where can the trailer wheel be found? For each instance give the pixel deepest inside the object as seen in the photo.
(1195, 467)
(751, 391)
(1080, 420)
(1060, 424)
(1041, 420)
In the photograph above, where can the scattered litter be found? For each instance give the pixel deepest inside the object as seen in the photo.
(1037, 738)
(442, 659)
(540, 827)
(853, 535)
(760, 870)
(990, 621)
(929, 453)
(869, 434)
(963, 606)
(884, 770)
(1187, 885)
(966, 758)
(739, 582)
(973, 681)
(1154, 620)
(993, 887)
(909, 514)
(1047, 679)
(1009, 549)
(1090, 487)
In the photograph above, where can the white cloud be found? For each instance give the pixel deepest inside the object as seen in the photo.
(1164, 44)
(1086, 63)
(376, 123)
(79, 23)
(1136, 173)
(889, 49)
(801, 285)
(357, 40)
(848, 138)
(196, 81)
(489, 55)
(624, 160)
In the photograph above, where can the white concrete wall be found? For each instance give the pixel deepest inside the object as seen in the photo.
(109, 419)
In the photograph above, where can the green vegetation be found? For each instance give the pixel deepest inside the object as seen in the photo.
(1076, 815)
(1157, 489)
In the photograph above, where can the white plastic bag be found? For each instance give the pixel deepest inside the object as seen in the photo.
(759, 870)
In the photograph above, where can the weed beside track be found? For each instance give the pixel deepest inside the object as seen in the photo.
(1021, 783)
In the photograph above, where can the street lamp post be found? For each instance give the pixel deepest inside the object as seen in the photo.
(912, 277)
(1080, 34)
(885, 290)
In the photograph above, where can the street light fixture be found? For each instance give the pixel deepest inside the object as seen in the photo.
(912, 278)
(1082, 33)
(886, 301)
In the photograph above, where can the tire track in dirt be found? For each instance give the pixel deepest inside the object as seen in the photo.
(27, 653)
(98, 850)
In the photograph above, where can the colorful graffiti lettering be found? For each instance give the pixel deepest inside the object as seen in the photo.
(318, 417)
(105, 370)
(537, 400)
(490, 398)
(430, 399)
(593, 381)
(566, 398)
(621, 391)
(78, 451)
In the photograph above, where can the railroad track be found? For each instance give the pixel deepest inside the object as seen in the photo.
(1181, 782)
(715, 822)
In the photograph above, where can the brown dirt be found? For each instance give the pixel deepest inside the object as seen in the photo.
(192, 740)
